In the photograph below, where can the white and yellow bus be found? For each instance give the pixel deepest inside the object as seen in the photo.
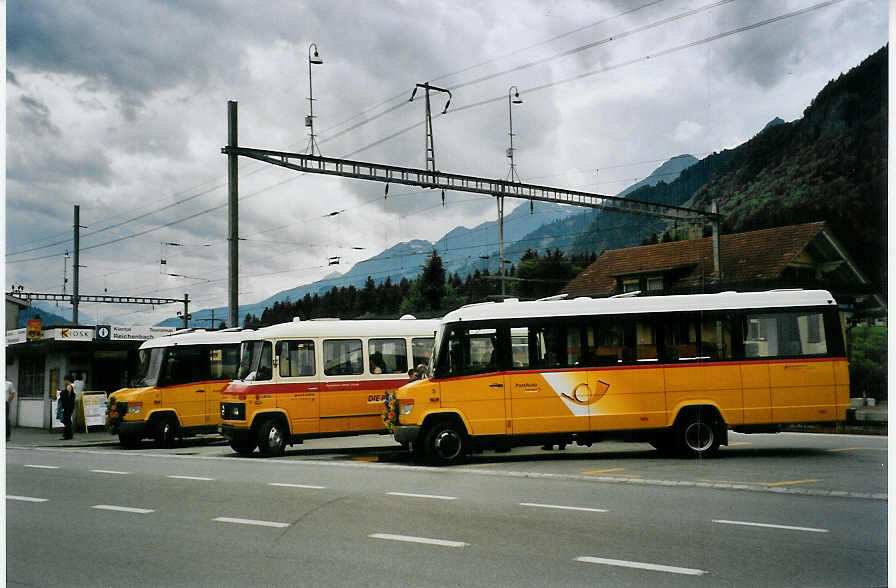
(319, 378)
(675, 371)
(178, 388)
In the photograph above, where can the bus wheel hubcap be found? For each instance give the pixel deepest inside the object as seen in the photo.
(698, 436)
(274, 437)
(447, 444)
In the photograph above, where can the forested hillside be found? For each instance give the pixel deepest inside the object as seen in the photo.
(830, 165)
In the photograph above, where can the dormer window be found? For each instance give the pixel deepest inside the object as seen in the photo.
(655, 284)
(630, 285)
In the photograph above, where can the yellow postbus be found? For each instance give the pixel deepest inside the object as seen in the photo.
(178, 388)
(675, 371)
(319, 378)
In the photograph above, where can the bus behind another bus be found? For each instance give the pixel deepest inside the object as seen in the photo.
(178, 388)
(319, 378)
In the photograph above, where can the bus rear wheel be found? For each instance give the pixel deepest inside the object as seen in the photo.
(446, 443)
(697, 437)
(271, 439)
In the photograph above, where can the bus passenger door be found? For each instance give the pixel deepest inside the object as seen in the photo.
(297, 392)
(183, 390)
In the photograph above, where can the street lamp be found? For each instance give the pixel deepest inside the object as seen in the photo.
(513, 97)
(313, 59)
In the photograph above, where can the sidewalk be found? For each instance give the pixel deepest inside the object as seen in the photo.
(33, 437)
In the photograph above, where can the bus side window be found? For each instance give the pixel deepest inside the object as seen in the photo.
(421, 349)
(343, 357)
(645, 334)
(264, 371)
(296, 358)
(389, 356)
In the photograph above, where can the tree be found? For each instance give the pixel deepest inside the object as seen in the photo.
(432, 281)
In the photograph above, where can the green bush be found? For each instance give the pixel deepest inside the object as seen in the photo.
(868, 362)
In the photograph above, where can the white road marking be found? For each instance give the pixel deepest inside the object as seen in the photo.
(770, 526)
(41, 467)
(110, 472)
(123, 508)
(642, 566)
(285, 485)
(251, 522)
(192, 478)
(25, 498)
(584, 508)
(426, 540)
(410, 495)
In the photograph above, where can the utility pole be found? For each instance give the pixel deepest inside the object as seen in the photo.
(430, 145)
(716, 253)
(513, 97)
(76, 265)
(232, 219)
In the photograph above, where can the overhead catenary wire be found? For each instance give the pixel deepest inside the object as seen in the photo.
(406, 129)
(583, 75)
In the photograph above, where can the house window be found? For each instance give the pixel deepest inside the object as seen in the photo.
(655, 284)
(630, 285)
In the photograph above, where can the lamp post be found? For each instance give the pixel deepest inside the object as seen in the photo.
(513, 97)
(313, 59)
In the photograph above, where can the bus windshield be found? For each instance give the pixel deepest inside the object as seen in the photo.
(149, 364)
(255, 361)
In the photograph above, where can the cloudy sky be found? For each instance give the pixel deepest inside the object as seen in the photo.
(120, 107)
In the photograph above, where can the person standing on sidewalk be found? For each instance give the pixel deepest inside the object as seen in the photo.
(67, 400)
(10, 396)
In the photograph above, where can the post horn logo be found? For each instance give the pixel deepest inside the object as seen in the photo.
(582, 395)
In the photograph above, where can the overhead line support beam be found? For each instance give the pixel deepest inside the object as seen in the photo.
(460, 183)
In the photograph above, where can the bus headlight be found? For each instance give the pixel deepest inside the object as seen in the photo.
(405, 406)
(135, 407)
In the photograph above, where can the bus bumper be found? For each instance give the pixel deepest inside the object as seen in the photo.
(406, 434)
(233, 433)
(133, 429)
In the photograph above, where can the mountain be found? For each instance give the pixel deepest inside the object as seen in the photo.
(830, 165)
(667, 172)
(567, 233)
(463, 250)
(51, 315)
(774, 122)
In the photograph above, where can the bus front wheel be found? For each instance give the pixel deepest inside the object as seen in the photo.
(244, 445)
(165, 431)
(446, 443)
(271, 439)
(129, 441)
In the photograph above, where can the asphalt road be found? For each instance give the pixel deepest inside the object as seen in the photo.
(196, 515)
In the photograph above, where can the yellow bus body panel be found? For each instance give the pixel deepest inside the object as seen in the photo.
(686, 384)
(627, 399)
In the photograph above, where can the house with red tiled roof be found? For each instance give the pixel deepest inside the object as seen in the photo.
(795, 256)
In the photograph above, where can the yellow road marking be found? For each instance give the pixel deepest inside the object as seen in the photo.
(781, 483)
(371, 458)
(790, 482)
(594, 472)
(736, 443)
(856, 448)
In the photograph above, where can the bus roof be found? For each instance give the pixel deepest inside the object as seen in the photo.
(350, 328)
(647, 304)
(198, 337)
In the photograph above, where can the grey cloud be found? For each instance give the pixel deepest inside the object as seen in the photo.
(36, 117)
